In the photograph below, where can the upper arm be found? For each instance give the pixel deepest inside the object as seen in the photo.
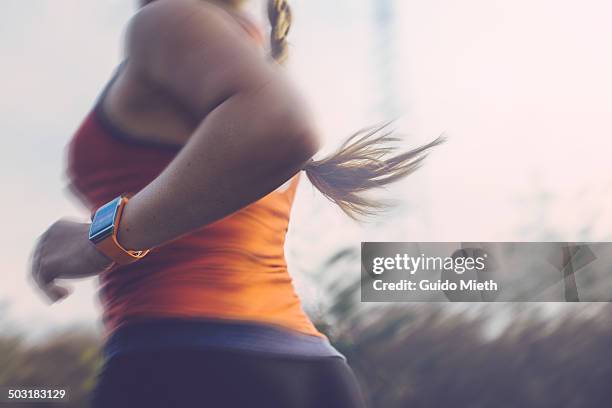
(194, 50)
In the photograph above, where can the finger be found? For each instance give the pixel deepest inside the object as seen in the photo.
(55, 292)
(36, 262)
(34, 265)
(38, 279)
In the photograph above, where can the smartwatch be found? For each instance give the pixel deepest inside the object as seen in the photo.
(103, 232)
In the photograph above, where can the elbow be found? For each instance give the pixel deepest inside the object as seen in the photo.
(306, 143)
(296, 137)
(303, 144)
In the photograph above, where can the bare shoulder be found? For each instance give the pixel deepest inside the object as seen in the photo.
(176, 30)
(194, 50)
(171, 17)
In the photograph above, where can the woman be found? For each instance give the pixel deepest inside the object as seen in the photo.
(207, 137)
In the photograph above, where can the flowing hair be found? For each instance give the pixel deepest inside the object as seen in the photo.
(366, 160)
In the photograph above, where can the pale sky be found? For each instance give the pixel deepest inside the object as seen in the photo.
(521, 88)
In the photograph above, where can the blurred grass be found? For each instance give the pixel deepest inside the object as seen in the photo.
(405, 355)
(423, 356)
(68, 360)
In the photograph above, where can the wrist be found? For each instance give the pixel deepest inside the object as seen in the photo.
(126, 235)
(104, 231)
(97, 258)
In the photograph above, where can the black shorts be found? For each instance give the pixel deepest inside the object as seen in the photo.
(225, 379)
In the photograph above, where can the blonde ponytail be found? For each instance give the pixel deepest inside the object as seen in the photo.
(365, 161)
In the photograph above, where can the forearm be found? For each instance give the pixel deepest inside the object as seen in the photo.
(231, 160)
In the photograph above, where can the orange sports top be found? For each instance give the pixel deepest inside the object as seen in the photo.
(233, 269)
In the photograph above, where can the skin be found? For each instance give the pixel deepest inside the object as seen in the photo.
(243, 127)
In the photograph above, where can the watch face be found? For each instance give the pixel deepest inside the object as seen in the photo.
(103, 223)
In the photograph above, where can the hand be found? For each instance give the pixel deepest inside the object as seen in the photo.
(65, 252)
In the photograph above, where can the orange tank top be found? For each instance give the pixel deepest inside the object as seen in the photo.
(231, 270)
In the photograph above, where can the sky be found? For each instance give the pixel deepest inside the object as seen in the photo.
(521, 89)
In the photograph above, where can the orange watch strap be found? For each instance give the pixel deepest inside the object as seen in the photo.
(113, 250)
(111, 247)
